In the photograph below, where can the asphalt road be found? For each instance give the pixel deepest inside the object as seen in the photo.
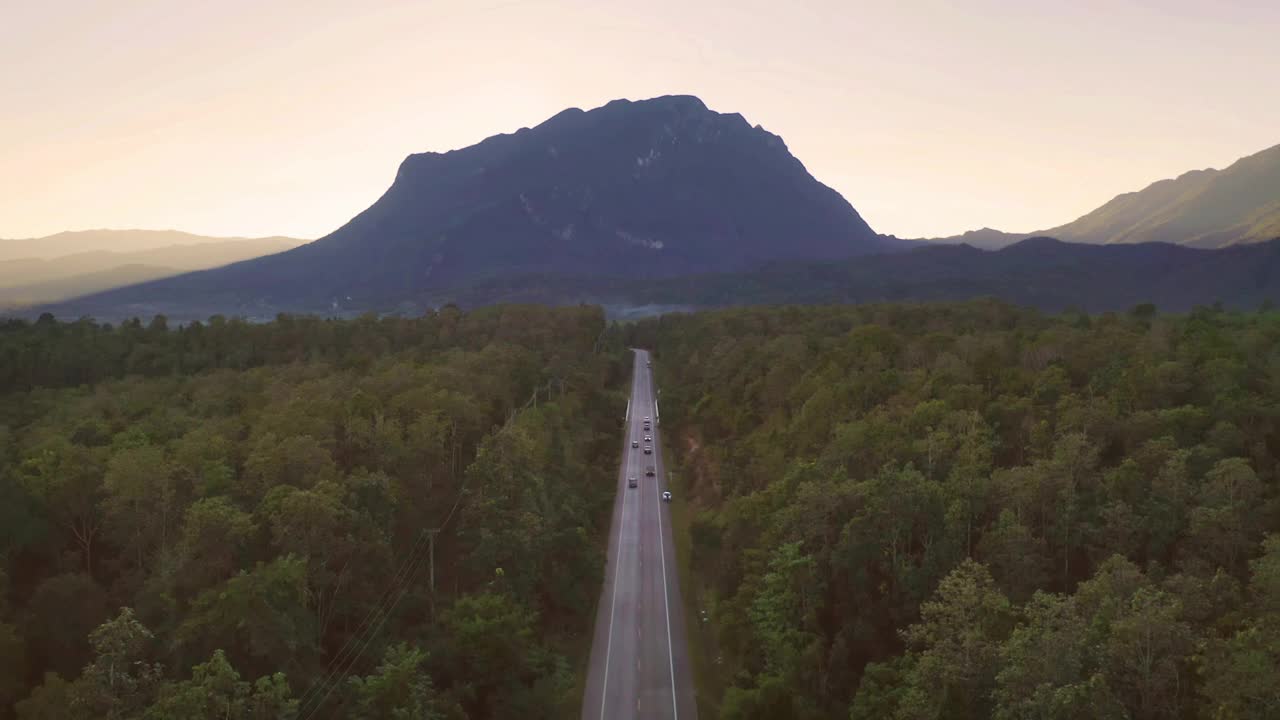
(639, 656)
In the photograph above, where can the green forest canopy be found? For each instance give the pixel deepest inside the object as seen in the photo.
(974, 510)
(226, 520)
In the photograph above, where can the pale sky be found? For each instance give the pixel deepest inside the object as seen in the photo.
(261, 117)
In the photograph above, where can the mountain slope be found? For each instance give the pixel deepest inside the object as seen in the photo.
(646, 189)
(121, 241)
(1202, 208)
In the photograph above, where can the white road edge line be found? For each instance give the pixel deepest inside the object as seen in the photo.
(617, 560)
(662, 552)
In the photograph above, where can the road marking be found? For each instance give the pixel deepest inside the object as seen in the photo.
(617, 562)
(662, 552)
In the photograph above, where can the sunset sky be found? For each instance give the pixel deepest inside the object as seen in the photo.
(260, 117)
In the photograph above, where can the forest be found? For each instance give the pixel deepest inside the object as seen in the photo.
(976, 510)
(370, 518)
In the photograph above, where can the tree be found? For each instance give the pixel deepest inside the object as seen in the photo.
(400, 689)
(1225, 525)
(13, 665)
(957, 640)
(141, 502)
(780, 610)
(216, 692)
(119, 682)
(53, 699)
(258, 617)
(215, 536)
(1148, 652)
(64, 610)
(65, 479)
(1048, 668)
(1014, 556)
(492, 636)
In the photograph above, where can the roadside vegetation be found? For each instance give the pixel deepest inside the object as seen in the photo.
(231, 520)
(974, 511)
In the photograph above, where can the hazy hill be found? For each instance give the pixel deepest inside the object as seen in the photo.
(642, 190)
(29, 280)
(1201, 208)
(1038, 272)
(120, 241)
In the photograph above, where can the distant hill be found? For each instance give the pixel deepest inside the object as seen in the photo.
(61, 288)
(120, 241)
(639, 190)
(34, 280)
(1037, 272)
(1201, 208)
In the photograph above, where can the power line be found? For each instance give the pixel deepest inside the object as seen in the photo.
(400, 576)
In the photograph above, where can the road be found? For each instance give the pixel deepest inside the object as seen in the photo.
(639, 656)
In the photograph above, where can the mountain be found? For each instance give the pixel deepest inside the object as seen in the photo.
(641, 190)
(32, 280)
(120, 241)
(1202, 208)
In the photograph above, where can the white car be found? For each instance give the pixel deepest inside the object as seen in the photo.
(666, 496)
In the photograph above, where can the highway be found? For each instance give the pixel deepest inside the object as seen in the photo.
(639, 664)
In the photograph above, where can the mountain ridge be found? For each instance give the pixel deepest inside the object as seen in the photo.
(1199, 208)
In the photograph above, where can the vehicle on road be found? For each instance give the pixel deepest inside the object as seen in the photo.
(648, 438)
(646, 418)
(666, 496)
(631, 481)
(635, 443)
(648, 450)
(649, 471)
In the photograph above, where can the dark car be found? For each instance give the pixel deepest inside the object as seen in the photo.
(648, 450)
(631, 481)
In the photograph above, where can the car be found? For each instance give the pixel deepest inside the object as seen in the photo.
(649, 471)
(648, 438)
(635, 443)
(631, 481)
(646, 418)
(648, 450)
(666, 496)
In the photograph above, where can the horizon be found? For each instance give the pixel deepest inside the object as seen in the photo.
(930, 121)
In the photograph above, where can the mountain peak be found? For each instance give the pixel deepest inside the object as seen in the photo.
(633, 190)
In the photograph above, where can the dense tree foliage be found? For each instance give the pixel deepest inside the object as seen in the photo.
(229, 520)
(974, 511)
